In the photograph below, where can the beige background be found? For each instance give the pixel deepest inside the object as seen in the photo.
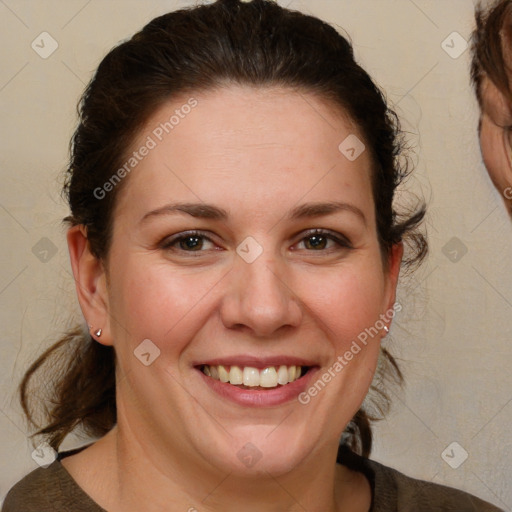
(453, 336)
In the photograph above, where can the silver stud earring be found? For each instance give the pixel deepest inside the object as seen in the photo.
(386, 329)
(97, 333)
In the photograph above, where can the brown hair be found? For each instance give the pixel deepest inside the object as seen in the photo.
(200, 48)
(492, 47)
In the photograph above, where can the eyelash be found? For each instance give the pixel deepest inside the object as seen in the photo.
(341, 241)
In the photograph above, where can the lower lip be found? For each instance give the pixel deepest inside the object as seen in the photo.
(260, 398)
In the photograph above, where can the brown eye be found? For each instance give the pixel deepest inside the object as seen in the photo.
(191, 242)
(187, 242)
(318, 240)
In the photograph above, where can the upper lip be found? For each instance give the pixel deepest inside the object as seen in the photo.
(257, 362)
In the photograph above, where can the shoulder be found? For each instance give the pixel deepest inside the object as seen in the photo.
(422, 496)
(34, 492)
(48, 490)
(395, 492)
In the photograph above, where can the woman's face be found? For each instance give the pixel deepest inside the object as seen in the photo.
(496, 139)
(255, 171)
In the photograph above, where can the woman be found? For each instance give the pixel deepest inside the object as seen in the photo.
(236, 255)
(490, 74)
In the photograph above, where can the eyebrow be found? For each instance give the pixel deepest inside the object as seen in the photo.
(309, 210)
(208, 211)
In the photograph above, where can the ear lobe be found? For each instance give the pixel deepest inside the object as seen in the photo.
(90, 282)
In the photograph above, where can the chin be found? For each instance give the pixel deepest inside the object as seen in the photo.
(263, 454)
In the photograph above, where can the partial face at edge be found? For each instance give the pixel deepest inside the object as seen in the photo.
(496, 139)
(257, 155)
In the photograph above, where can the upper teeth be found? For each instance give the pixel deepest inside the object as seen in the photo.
(269, 377)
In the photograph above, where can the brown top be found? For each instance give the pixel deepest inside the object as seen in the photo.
(53, 489)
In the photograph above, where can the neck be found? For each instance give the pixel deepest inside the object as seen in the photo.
(143, 476)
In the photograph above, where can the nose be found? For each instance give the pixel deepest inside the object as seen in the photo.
(258, 299)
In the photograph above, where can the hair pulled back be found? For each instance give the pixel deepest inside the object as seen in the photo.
(255, 43)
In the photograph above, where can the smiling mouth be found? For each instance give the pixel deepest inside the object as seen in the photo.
(248, 377)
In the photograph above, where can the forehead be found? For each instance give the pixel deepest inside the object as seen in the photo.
(278, 114)
(251, 142)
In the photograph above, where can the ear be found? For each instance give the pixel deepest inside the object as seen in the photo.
(91, 283)
(393, 270)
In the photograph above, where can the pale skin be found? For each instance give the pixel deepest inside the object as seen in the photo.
(496, 139)
(258, 154)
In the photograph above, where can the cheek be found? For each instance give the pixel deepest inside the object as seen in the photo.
(346, 301)
(349, 313)
(156, 302)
